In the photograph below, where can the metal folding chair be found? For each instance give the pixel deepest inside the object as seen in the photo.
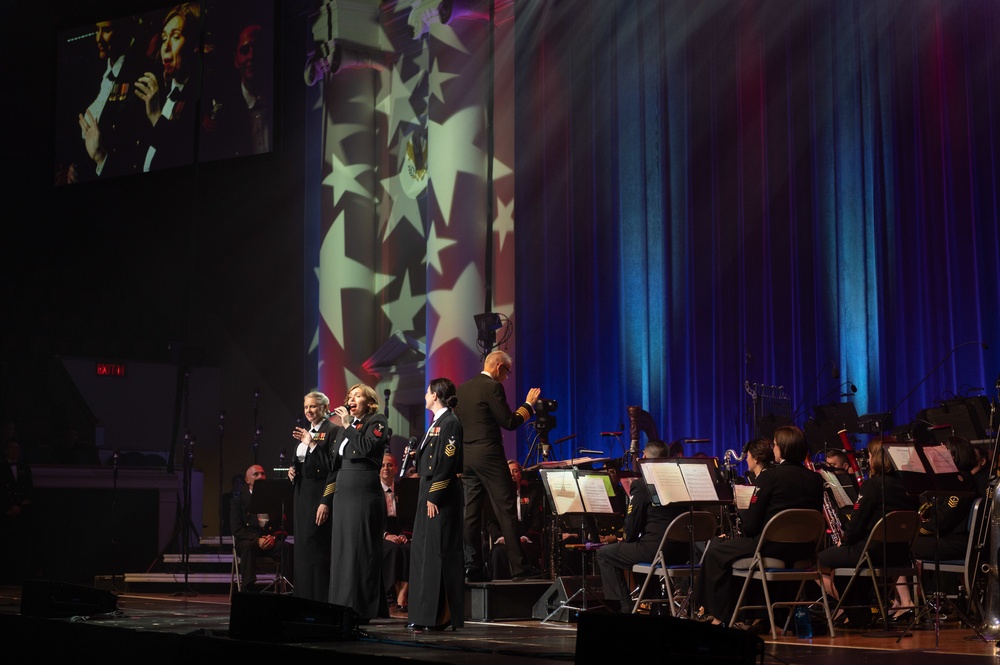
(789, 527)
(690, 528)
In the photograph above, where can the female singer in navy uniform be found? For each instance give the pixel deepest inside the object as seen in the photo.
(358, 510)
(314, 479)
(788, 484)
(437, 585)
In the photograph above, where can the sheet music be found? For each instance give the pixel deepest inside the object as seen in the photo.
(595, 493)
(565, 493)
(905, 459)
(668, 481)
(699, 482)
(839, 493)
(940, 459)
(742, 494)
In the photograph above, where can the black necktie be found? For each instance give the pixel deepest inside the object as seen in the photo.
(175, 94)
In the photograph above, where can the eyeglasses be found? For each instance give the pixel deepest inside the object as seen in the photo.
(506, 369)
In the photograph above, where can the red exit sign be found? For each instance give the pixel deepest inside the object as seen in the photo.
(110, 369)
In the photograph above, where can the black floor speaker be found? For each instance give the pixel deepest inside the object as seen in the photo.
(685, 640)
(49, 599)
(569, 588)
(270, 617)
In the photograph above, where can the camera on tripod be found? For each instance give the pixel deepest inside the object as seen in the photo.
(544, 420)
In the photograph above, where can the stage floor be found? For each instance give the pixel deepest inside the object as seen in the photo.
(170, 627)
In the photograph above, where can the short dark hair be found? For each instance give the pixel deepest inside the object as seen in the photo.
(762, 451)
(655, 448)
(791, 441)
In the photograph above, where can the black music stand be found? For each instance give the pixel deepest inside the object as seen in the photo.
(272, 497)
(577, 494)
(930, 470)
(693, 481)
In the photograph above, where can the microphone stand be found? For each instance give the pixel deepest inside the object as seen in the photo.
(256, 426)
(835, 373)
(222, 429)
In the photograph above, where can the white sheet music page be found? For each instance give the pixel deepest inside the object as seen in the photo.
(667, 480)
(595, 494)
(905, 458)
(742, 494)
(565, 494)
(940, 459)
(699, 482)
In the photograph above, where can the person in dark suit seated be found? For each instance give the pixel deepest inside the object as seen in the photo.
(644, 526)
(530, 522)
(788, 484)
(483, 410)
(396, 540)
(256, 536)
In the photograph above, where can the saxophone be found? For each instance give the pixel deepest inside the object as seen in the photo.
(729, 459)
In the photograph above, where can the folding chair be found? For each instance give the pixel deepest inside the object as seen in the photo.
(789, 527)
(901, 526)
(235, 580)
(690, 527)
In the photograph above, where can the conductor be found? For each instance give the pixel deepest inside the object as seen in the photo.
(482, 408)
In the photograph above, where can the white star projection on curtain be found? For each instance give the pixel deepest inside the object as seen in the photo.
(405, 201)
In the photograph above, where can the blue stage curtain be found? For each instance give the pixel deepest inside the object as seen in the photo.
(715, 192)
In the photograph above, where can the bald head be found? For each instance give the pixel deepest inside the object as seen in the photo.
(255, 472)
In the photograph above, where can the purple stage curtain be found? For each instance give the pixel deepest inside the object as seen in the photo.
(787, 193)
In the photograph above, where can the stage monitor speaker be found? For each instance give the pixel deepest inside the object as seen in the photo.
(49, 599)
(269, 617)
(562, 590)
(669, 638)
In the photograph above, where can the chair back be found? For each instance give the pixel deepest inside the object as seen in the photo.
(899, 526)
(795, 525)
(698, 526)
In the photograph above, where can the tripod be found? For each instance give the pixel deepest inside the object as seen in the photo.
(939, 599)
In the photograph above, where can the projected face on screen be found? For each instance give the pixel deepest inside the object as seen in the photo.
(115, 75)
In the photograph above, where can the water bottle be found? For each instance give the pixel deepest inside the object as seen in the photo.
(803, 622)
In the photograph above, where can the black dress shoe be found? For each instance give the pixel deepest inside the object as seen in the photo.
(530, 574)
(417, 627)
(474, 575)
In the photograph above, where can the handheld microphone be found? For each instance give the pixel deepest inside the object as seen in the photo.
(411, 448)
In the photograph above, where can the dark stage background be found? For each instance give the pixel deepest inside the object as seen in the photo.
(707, 194)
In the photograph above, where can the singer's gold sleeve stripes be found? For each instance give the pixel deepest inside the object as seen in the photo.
(439, 485)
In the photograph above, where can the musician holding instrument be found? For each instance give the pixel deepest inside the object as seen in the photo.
(644, 527)
(789, 484)
(882, 481)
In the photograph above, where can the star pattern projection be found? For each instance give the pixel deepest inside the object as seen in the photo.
(458, 278)
(348, 274)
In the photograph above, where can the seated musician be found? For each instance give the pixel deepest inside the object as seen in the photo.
(256, 536)
(396, 539)
(947, 516)
(981, 472)
(868, 510)
(789, 484)
(530, 522)
(644, 527)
